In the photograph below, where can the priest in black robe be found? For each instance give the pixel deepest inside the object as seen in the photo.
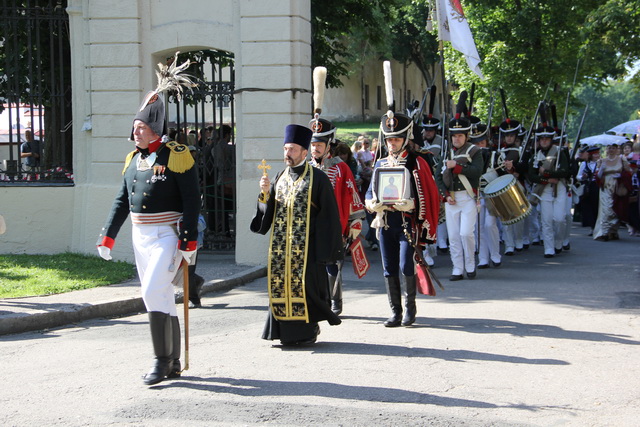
(300, 209)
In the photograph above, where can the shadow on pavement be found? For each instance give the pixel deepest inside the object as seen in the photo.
(493, 326)
(402, 351)
(246, 387)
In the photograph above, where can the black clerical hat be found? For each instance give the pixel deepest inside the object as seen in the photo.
(297, 134)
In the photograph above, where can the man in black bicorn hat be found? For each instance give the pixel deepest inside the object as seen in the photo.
(458, 178)
(300, 249)
(160, 191)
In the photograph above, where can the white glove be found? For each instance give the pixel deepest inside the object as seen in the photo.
(405, 205)
(105, 253)
(188, 256)
(374, 205)
(355, 229)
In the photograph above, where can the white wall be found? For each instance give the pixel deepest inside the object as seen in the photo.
(345, 103)
(275, 54)
(38, 224)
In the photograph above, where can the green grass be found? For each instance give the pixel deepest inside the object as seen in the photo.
(30, 275)
(350, 131)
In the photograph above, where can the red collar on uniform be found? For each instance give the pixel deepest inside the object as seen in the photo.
(153, 146)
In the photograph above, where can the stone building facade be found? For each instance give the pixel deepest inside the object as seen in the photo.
(115, 47)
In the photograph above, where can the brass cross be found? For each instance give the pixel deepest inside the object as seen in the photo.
(264, 166)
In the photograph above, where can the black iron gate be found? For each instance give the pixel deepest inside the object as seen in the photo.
(206, 119)
(35, 93)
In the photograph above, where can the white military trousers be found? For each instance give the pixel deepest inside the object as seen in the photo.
(157, 260)
(461, 223)
(553, 217)
(566, 237)
(489, 247)
(441, 236)
(513, 236)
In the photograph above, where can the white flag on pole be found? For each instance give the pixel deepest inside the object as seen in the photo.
(453, 27)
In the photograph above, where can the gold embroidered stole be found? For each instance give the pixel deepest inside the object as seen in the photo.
(289, 247)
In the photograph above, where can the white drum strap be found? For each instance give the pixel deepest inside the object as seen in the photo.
(467, 186)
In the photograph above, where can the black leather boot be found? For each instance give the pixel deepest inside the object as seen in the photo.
(393, 292)
(409, 300)
(195, 286)
(162, 339)
(335, 284)
(176, 367)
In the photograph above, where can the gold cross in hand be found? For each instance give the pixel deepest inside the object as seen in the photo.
(264, 166)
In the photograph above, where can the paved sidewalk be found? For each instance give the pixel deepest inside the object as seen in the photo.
(35, 313)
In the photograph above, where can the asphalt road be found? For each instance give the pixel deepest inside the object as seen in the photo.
(535, 342)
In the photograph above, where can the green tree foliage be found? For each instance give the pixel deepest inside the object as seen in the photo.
(614, 103)
(532, 47)
(612, 27)
(347, 33)
(344, 32)
(410, 42)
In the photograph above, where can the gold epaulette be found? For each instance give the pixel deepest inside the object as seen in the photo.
(128, 160)
(180, 159)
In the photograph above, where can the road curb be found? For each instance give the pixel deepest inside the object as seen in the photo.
(25, 322)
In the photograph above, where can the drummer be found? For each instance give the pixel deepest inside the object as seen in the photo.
(458, 177)
(509, 156)
(487, 232)
(550, 188)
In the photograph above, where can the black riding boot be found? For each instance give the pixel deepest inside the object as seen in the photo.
(409, 300)
(393, 292)
(162, 339)
(176, 368)
(195, 286)
(336, 294)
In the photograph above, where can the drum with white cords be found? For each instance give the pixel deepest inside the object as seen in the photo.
(505, 199)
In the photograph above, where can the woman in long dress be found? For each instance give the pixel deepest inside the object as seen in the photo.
(611, 174)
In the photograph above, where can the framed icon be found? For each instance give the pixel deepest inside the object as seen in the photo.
(391, 184)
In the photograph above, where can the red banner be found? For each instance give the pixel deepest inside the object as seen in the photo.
(359, 258)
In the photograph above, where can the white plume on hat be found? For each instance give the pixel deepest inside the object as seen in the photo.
(388, 85)
(319, 79)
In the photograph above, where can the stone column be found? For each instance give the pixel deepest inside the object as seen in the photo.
(275, 58)
(105, 39)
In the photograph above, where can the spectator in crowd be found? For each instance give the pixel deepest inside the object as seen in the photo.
(343, 151)
(589, 200)
(613, 175)
(634, 206)
(627, 150)
(364, 158)
(30, 151)
(355, 147)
